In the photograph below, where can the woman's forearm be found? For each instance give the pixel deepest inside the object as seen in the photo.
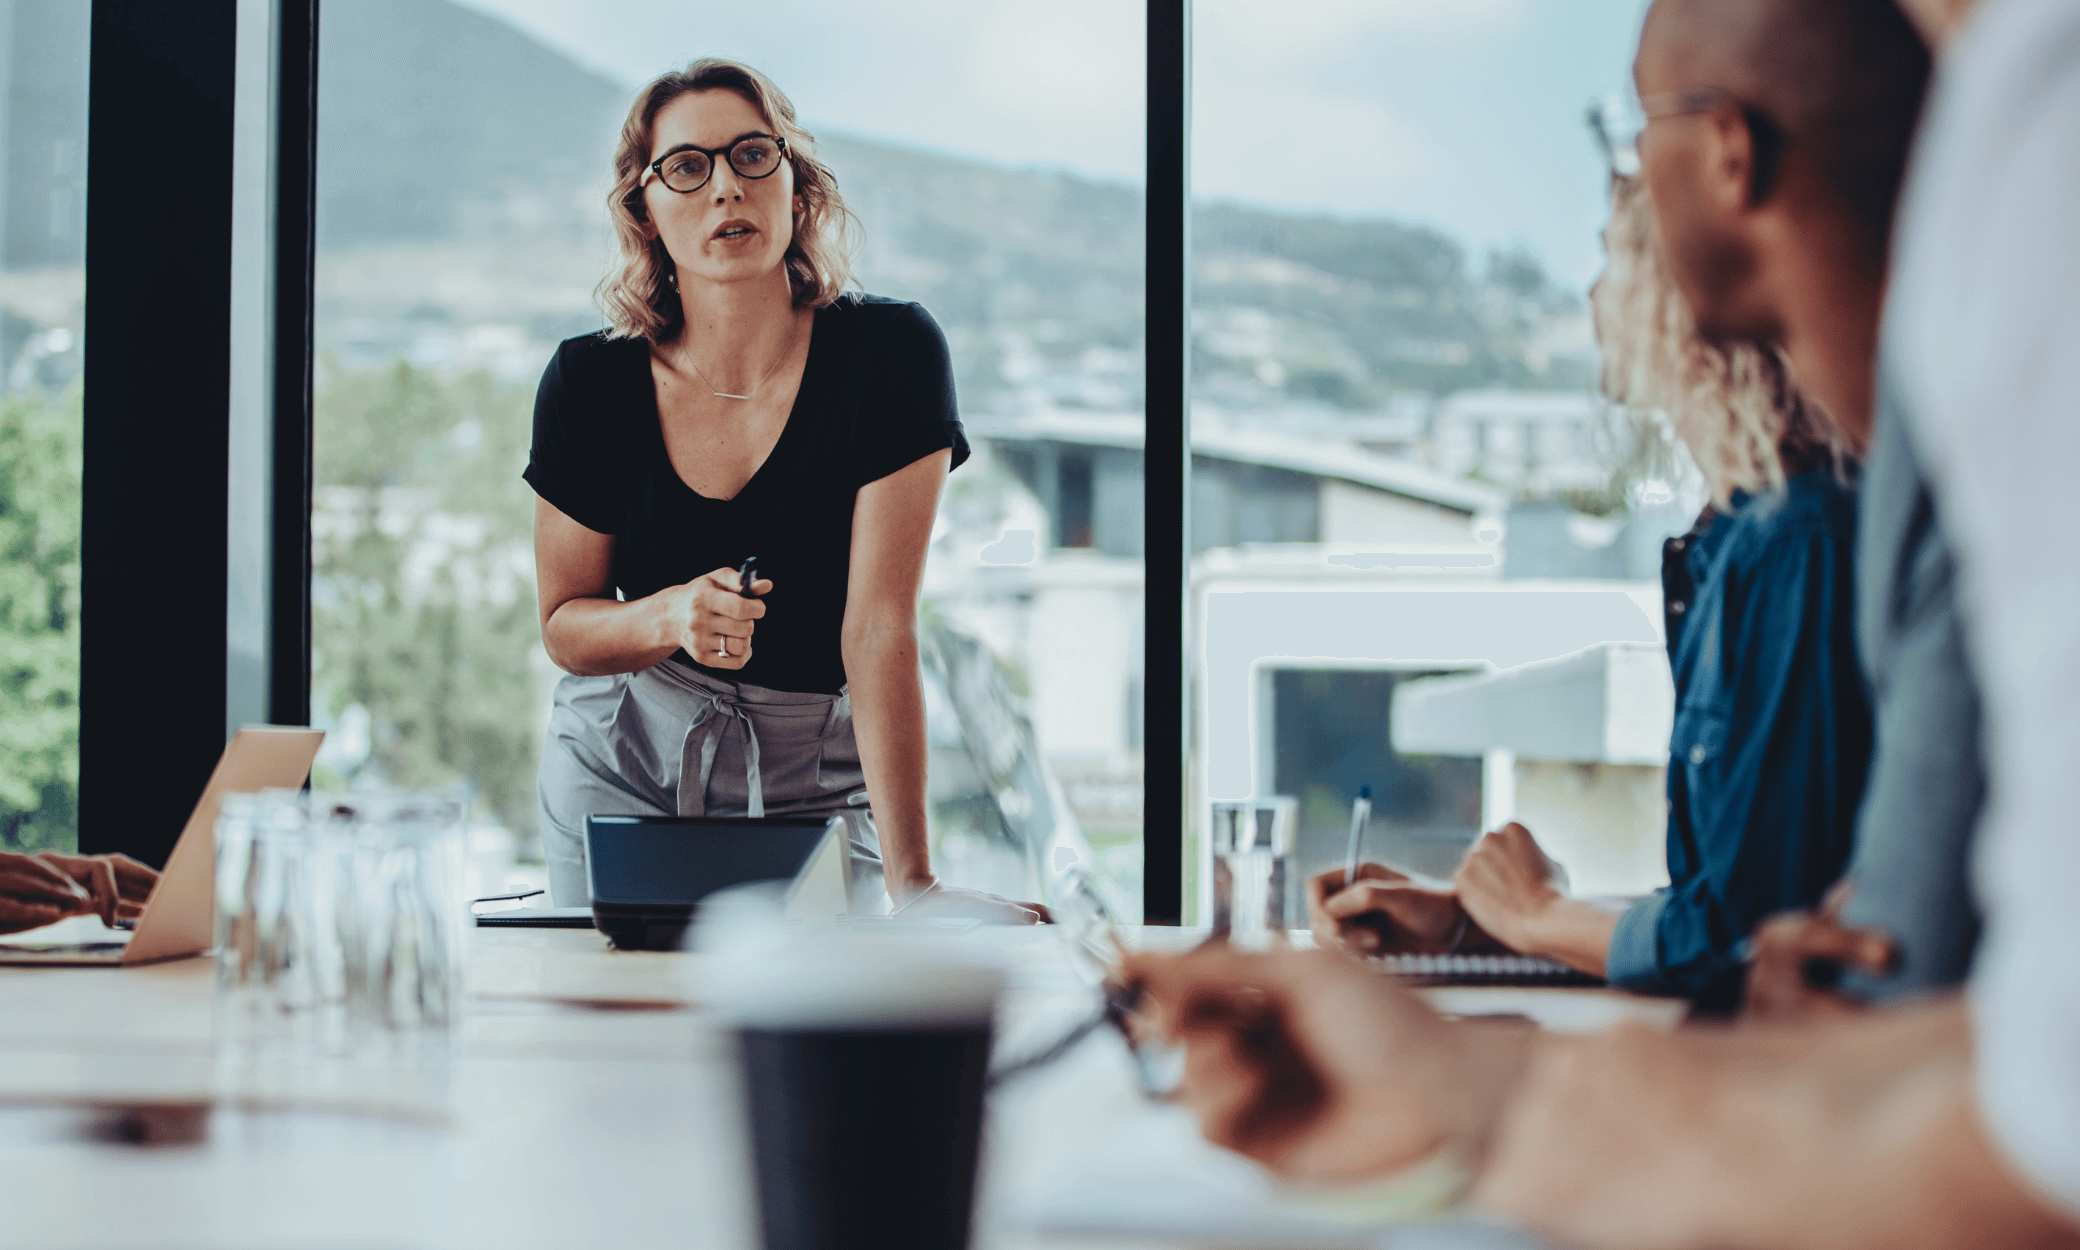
(1571, 932)
(595, 637)
(888, 718)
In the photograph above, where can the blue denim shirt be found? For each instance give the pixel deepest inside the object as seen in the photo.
(1772, 734)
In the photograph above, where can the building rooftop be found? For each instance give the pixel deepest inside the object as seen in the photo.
(1337, 461)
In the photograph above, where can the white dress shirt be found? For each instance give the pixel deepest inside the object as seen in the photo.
(1983, 341)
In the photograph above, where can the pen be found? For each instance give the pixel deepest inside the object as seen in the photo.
(747, 575)
(1361, 816)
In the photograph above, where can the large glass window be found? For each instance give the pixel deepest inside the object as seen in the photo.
(43, 168)
(992, 152)
(1403, 479)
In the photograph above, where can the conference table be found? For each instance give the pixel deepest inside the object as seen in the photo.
(587, 1101)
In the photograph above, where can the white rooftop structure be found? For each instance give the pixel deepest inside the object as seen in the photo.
(1612, 703)
(1344, 462)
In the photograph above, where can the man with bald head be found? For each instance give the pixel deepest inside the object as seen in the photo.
(1776, 140)
(1955, 1122)
(1775, 183)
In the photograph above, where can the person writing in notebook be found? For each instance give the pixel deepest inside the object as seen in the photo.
(1772, 731)
(44, 888)
(740, 405)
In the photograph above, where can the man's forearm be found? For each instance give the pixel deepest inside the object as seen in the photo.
(1851, 1134)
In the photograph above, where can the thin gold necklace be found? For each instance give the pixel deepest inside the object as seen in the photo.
(688, 353)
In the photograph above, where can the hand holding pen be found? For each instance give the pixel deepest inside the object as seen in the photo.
(1371, 909)
(713, 616)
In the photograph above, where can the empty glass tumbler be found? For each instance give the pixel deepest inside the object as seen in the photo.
(340, 917)
(1252, 844)
(410, 853)
(284, 905)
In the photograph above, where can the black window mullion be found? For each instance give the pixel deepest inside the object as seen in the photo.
(157, 418)
(1168, 460)
(295, 261)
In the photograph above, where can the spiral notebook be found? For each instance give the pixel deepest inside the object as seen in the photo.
(1481, 970)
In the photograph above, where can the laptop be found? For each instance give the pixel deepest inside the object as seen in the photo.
(179, 918)
(649, 873)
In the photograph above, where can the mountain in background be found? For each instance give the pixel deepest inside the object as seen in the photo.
(435, 118)
(463, 163)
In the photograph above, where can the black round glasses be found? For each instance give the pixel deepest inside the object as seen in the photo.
(688, 169)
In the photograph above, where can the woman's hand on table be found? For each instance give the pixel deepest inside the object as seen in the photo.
(1508, 886)
(1318, 1068)
(950, 902)
(1515, 893)
(707, 615)
(1385, 912)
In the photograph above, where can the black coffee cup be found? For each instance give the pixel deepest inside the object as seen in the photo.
(865, 1137)
(863, 1065)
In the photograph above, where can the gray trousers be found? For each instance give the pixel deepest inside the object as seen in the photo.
(671, 741)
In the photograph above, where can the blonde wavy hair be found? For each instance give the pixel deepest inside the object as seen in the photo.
(640, 297)
(1733, 405)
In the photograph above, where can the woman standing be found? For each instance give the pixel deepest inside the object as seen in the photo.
(740, 405)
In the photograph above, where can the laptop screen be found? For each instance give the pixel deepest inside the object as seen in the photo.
(666, 861)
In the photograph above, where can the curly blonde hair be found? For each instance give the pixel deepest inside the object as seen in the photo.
(639, 297)
(1733, 405)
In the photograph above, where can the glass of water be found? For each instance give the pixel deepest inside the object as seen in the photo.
(1252, 844)
(412, 909)
(341, 918)
(282, 951)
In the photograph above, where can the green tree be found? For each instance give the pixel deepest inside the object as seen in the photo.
(40, 458)
(422, 583)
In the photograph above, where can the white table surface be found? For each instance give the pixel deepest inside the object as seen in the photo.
(586, 1104)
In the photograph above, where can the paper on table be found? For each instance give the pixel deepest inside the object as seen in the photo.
(71, 931)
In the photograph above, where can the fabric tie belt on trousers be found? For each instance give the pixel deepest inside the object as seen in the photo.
(709, 724)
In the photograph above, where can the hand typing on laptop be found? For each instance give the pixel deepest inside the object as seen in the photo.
(41, 889)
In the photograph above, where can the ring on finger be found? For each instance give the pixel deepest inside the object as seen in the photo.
(722, 646)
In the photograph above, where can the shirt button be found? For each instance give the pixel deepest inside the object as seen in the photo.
(1678, 607)
(1677, 544)
(1697, 754)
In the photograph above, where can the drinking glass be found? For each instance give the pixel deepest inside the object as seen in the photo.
(1252, 843)
(341, 918)
(282, 951)
(411, 909)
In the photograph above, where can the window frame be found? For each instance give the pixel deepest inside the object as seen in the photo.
(158, 683)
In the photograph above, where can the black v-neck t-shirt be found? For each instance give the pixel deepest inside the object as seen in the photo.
(876, 396)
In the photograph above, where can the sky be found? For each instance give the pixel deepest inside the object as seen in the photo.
(1461, 114)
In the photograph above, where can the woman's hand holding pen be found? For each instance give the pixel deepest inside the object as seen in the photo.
(711, 620)
(1384, 912)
